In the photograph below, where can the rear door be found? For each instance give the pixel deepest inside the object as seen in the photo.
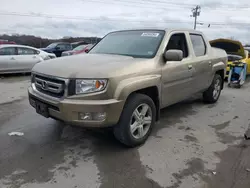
(8, 62)
(27, 58)
(202, 64)
(177, 75)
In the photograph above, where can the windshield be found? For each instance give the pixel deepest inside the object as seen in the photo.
(78, 48)
(140, 43)
(53, 45)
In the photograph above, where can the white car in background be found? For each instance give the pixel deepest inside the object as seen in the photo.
(20, 59)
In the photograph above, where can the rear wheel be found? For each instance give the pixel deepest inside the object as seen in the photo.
(136, 121)
(212, 94)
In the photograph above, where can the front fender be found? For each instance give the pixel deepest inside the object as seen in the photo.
(130, 85)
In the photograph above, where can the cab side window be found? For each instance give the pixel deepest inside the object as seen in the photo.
(8, 51)
(178, 42)
(198, 45)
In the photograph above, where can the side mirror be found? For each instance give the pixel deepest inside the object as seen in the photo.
(57, 48)
(87, 50)
(173, 55)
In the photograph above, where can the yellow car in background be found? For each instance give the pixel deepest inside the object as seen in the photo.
(235, 51)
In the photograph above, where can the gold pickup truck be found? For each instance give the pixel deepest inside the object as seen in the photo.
(126, 79)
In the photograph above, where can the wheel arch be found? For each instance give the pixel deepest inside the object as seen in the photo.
(147, 85)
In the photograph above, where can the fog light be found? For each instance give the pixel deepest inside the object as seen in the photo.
(99, 116)
(92, 116)
(85, 116)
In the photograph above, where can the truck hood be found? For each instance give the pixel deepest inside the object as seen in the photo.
(230, 46)
(88, 66)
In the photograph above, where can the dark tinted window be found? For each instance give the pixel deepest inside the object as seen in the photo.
(139, 43)
(68, 47)
(61, 46)
(8, 51)
(64, 46)
(198, 44)
(178, 42)
(26, 51)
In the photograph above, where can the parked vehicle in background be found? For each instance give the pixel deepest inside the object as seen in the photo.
(75, 44)
(126, 79)
(20, 58)
(78, 50)
(88, 48)
(235, 51)
(248, 51)
(6, 42)
(57, 48)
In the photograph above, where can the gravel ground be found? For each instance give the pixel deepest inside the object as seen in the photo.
(193, 146)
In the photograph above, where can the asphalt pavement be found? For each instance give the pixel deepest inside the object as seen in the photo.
(193, 146)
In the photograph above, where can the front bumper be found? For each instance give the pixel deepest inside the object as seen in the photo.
(67, 110)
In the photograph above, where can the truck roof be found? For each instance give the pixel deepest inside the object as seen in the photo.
(162, 29)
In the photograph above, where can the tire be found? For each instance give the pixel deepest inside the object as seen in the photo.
(122, 130)
(208, 95)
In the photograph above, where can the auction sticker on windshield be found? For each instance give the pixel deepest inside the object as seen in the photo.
(150, 34)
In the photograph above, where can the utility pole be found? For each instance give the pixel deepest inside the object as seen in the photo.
(196, 12)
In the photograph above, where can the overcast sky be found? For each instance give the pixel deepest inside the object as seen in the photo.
(59, 18)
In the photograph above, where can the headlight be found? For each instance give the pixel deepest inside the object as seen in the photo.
(46, 58)
(90, 86)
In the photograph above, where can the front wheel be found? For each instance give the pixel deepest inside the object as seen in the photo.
(212, 94)
(136, 121)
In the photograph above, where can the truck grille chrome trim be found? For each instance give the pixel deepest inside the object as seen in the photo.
(48, 86)
(51, 86)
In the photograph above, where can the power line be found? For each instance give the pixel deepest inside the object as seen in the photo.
(83, 18)
(138, 4)
(147, 2)
(168, 2)
(118, 20)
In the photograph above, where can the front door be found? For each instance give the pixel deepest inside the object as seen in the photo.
(177, 75)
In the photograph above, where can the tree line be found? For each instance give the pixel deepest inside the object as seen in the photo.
(39, 42)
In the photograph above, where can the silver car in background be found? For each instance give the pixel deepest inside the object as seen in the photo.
(20, 59)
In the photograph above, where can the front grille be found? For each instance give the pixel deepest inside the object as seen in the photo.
(50, 86)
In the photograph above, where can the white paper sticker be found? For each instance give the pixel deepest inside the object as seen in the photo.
(15, 134)
(150, 34)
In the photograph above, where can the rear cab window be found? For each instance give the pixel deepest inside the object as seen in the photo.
(199, 45)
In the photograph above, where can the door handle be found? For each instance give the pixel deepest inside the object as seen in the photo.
(12, 58)
(190, 67)
(210, 63)
(34, 57)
